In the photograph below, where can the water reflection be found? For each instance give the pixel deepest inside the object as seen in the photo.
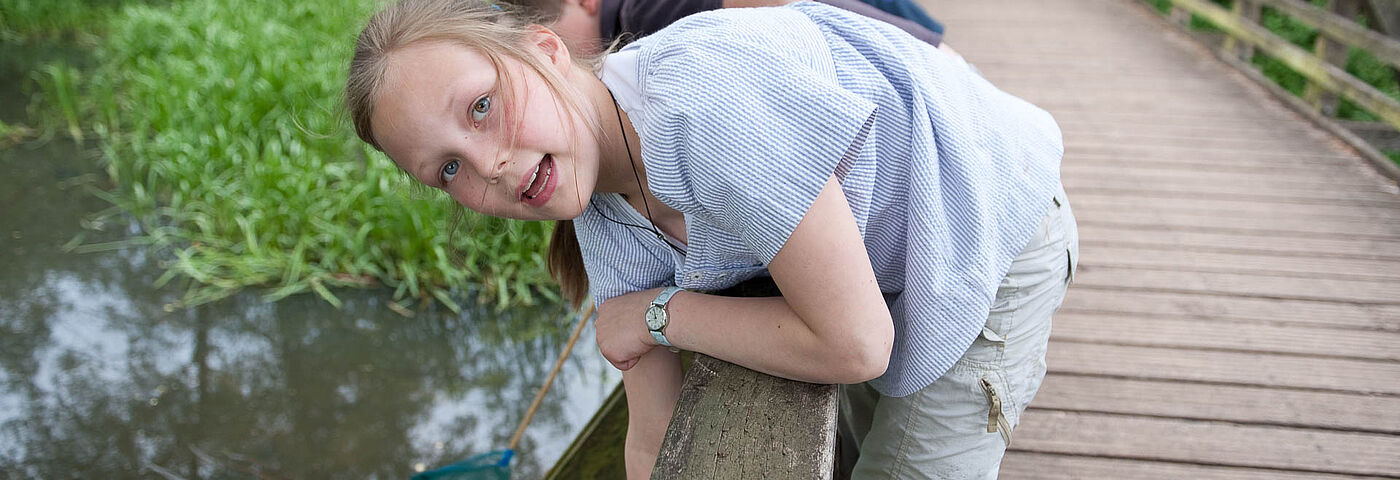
(100, 381)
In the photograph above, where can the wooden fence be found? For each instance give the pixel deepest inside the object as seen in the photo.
(1324, 68)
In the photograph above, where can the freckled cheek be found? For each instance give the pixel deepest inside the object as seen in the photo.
(486, 201)
(540, 126)
(466, 194)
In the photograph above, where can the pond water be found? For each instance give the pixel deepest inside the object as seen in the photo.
(100, 379)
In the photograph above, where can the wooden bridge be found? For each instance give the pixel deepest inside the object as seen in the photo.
(1237, 308)
(1236, 313)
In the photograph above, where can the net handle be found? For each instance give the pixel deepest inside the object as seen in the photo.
(539, 397)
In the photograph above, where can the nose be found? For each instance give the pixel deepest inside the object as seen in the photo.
(499, 168)
(491, 162)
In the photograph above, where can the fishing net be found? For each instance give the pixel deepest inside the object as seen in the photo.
(487, 466)
(496, 465)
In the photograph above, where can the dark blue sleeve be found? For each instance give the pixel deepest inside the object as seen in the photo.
(909, 10)
(639, 18)
(911, 27)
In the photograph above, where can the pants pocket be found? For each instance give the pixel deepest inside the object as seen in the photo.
(988, 350)
(1070, 229)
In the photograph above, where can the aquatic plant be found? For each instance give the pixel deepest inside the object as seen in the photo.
(59, 83)
(11, 134)
(220, 123)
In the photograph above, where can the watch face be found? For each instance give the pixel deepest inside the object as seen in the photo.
(656, 318)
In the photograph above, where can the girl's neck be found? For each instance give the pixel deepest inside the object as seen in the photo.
(620, 166)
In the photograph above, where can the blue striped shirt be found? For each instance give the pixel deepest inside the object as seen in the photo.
(745, 113)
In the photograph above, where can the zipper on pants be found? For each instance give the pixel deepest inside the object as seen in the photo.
(996, 422)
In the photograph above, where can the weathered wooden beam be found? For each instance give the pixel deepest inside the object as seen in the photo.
(732, 422)
(1382, 136)
(1326, 76)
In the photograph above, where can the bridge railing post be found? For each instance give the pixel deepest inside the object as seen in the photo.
(1180, 16)
(1248, 11)
(1334, 52)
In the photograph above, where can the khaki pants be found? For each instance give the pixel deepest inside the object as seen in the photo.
(959, 426)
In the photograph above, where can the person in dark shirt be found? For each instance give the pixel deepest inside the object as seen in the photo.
(588, 26)
(909, 10)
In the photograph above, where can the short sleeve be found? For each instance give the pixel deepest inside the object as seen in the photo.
(746, 121)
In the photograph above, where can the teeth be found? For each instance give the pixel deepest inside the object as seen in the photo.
(532, 180)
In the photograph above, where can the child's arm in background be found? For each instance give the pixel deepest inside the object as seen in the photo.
(652, 386)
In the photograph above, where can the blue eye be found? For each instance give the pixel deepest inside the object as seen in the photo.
(449, 171)
(480, 108)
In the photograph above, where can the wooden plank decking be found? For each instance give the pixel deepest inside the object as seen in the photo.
(1237, 310)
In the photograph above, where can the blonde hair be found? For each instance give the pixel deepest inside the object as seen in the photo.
(497, 30)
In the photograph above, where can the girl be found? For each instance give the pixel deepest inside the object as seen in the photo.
(909, 211)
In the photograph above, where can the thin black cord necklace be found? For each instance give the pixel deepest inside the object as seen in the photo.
(642, 190)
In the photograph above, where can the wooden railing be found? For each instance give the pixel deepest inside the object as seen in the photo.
(1324, 68)
(732, 422)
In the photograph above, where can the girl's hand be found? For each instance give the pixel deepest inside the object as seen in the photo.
(622, 328)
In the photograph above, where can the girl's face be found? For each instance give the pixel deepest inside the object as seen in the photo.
(513, 151)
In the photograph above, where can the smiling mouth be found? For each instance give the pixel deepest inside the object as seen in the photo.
(539, 179)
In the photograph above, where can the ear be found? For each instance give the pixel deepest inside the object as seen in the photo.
(552, 47)
(590, 6)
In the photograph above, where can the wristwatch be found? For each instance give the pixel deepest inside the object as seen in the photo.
(657, 316)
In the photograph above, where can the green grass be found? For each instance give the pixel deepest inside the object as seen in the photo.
(45, 20)
(220, 123)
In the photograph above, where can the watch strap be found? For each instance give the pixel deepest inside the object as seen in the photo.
(662, 299)
(660, 338)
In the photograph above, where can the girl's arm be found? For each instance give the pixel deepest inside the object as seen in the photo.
(830, 326)
(652, 386)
